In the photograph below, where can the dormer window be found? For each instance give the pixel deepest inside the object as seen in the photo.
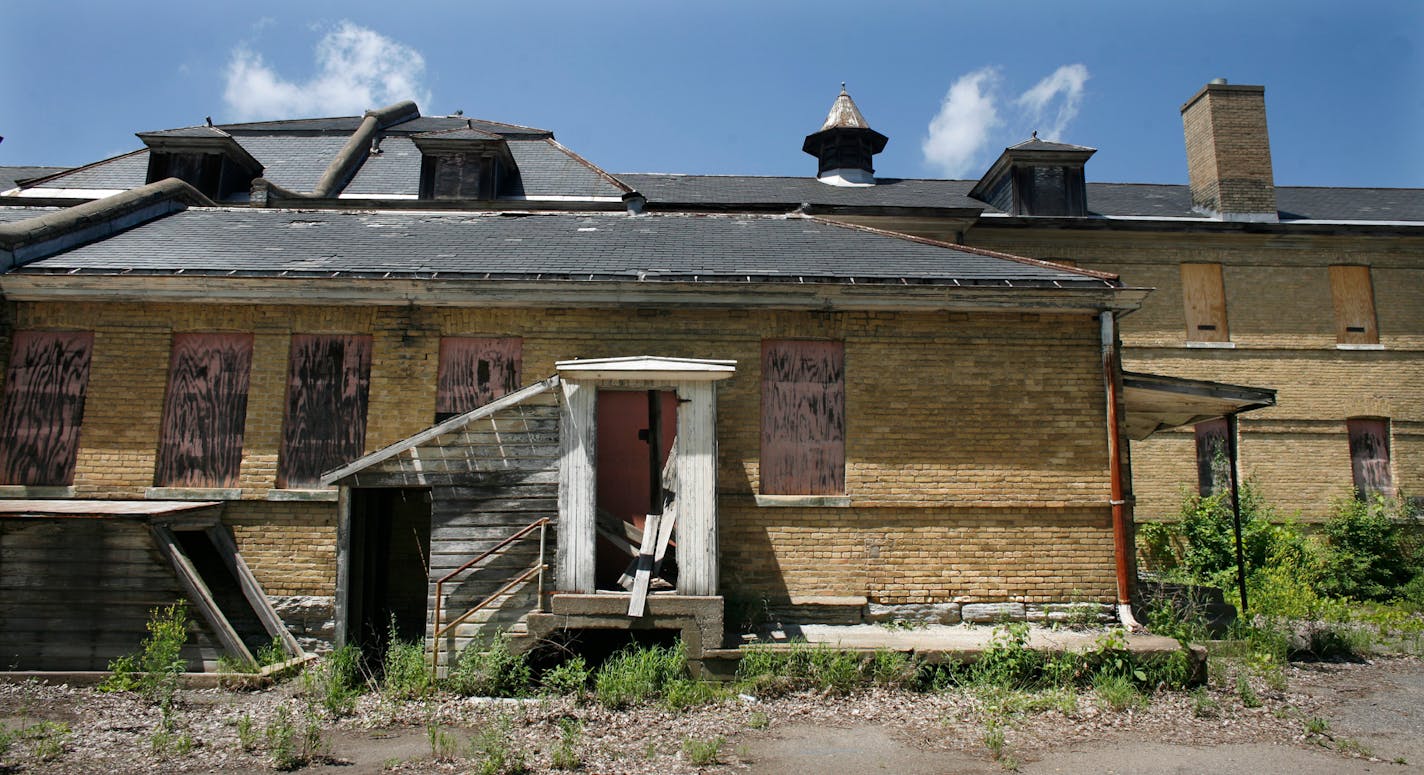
(1037, 177)
(204, 157)
(463, 163)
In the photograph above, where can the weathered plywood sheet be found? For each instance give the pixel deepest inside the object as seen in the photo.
(1369, 455)
(325, 422)
(205, 411)
(803, 418)
(475, 371)
(1204, 297)
(44, 406)
(1354, 298)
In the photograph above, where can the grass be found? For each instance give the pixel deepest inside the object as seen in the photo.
(495, 753)
(443, 745)
(492, 671)
(1117, 691)
(758, 720)
(703, 752)
(636, 676)
(565, 755)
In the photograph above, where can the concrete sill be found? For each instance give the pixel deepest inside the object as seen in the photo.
(34, 492)
(193, 493)
(803, 501)
(302, 495)
(1343, 346)
(1213, 345)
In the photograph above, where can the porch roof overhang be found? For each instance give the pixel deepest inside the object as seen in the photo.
(99, 509)
(647, 367)
(1156, 403)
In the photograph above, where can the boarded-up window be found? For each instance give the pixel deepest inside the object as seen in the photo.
(1204, 296)
(458, 176)
(1354, 305)
(802, 418)
(1369, 456)
(205, 411)
(1213, 465)
(475, 371)
(325, 422)
(44, 406)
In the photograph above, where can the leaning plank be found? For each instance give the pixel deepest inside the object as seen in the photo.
(664, 538)
(644, 574)
(252, 590)
(198, 591)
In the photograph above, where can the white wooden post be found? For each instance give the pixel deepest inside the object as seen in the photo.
(578, 436)
(697, 488)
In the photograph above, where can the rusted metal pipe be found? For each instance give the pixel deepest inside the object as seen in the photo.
(1122, 543)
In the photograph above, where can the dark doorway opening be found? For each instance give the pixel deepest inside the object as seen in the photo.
(225, 589)
(390, 567)
(628, 425)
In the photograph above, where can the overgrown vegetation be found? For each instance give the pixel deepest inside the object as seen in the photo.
(1351, 587)
(155, 670)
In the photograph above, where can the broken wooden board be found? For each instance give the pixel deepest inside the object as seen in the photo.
(638, 601)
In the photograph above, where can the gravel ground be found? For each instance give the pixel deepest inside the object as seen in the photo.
(1373, 714)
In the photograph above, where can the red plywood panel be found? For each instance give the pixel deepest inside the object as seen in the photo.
(803, 418)
(475, 371)
(1369, 455)
(44, 406)
(325, 422)
(205, 411)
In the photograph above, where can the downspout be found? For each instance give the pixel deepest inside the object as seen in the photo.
(344, 165)
(1121, 542)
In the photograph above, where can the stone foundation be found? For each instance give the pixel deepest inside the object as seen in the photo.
(311, 619)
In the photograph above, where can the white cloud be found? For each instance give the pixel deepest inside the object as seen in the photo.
(357, 69)
(960, 131)
(1065, 87)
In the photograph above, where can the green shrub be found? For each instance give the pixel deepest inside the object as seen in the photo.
(493, 671)
(1365, 557)
(569, 678)
(638, 675)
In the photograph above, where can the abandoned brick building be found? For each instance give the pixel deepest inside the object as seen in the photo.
(308, 382)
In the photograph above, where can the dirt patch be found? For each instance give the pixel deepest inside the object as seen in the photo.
(1367, 716)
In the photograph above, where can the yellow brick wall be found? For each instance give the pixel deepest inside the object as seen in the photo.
(1229, 150)
(1282, 324)
(976, 457)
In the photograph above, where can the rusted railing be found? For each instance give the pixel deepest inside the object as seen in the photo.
(540, 525)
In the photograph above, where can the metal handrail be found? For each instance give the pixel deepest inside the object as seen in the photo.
(541, 525)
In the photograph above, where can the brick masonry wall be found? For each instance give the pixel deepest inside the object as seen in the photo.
(1282, 323)
(976, 457)
(1229, 150)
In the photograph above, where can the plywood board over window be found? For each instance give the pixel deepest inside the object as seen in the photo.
(1354, 297)
(325, 421)
(475, 371)
(1369, 455)
(802, 417)
(205, 411)
(1213, 467)
(1204, 297)
(44, 406)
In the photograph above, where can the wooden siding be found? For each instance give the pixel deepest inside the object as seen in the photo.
(1204, 297)
(325, 422)
(205, 411)
(475, 371)
(803, 418)
(44, 406)
(1369, 455)
(1354, 298)
(76, 593)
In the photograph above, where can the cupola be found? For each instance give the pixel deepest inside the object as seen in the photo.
(204, 157)
(463, 163)
(1037, 177)
(844, 145)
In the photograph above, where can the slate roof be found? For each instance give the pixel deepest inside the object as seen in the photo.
(12, 214)
(1104, 199)
(602, 246)
(345, 125)
(11, 176)
(714, 190)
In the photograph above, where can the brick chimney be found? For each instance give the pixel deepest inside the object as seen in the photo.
(1229, 152)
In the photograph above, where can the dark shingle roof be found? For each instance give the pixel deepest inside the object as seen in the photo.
(11, 176)
(743, 248)
(1150, 200)
(345, 125)
(748, 189)
(548, 169)
(12, 214)
(120, 172)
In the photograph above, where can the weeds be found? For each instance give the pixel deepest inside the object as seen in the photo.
(494, 671)
(1249, 698)
(994, 739)
(1316, 726)
(247, 736)
(758, 720)
(48, 739)
(337, 681)
(154, 672)
(1204, 705)
(168, 744)
(1117, 691)
(636, 676)
(569, 679)
(405, 676)
(495, 752)
(443, 745)
(565, 755)
(703, 752)
(293, 743)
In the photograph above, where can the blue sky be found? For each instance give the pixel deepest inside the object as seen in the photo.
(733, 87)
